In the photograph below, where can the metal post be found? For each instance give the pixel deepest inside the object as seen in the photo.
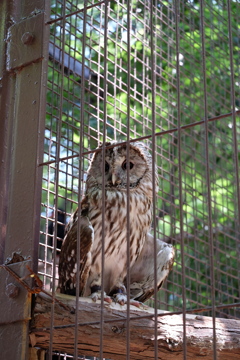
(24, 54)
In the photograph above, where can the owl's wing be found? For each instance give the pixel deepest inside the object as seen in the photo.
(142, 272)
(68, 255)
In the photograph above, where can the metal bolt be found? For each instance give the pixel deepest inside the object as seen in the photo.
(27, 38)
(12, 290)
(116, 330)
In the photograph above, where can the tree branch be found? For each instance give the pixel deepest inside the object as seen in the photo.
(142, 342)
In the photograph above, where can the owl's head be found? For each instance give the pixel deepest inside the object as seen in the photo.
(117, 165)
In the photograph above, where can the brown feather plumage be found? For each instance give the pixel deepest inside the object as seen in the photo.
(115, 228)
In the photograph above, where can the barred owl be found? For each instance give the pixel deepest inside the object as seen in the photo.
(115, 236)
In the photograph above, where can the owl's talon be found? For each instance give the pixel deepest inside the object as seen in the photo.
(94, 297)
(136, 303)
(97, 295)
(108, 299)
(120, 298)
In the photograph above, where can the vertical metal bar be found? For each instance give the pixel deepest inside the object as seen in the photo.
(103, 169)
(6, 126)
(177, 34)
(58, 146)
(153, 95)
(209, 205)
(234, 127)
(21, 131)
(99, 71)
(143, 110)
(235, 141)
(80, 162)
(129, 27)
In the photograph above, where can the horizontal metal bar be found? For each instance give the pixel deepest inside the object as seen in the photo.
(170, 131)
(77, 12)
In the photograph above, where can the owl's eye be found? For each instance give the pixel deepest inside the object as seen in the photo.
(106, 167)
(124, 165)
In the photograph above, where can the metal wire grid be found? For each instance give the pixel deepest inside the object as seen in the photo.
(183, 96)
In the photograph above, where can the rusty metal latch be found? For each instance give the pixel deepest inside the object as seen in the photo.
(25, 42)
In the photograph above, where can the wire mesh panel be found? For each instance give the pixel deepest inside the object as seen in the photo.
(167, 74)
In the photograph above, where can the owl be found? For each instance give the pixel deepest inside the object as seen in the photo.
(123, 167)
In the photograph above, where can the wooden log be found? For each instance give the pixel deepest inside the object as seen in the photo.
(169, 342)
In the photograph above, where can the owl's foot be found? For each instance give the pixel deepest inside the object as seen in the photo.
(122, 299)
(96, 294)
(119, 295)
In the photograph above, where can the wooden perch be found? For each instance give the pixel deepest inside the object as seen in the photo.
(199, 331)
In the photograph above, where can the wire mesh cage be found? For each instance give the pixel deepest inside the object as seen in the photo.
(167, 74)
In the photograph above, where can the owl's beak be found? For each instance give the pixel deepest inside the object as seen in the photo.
(114, 178)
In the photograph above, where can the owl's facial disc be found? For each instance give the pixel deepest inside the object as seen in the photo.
(120, 168)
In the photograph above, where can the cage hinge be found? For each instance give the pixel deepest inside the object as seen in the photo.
(25, 42)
